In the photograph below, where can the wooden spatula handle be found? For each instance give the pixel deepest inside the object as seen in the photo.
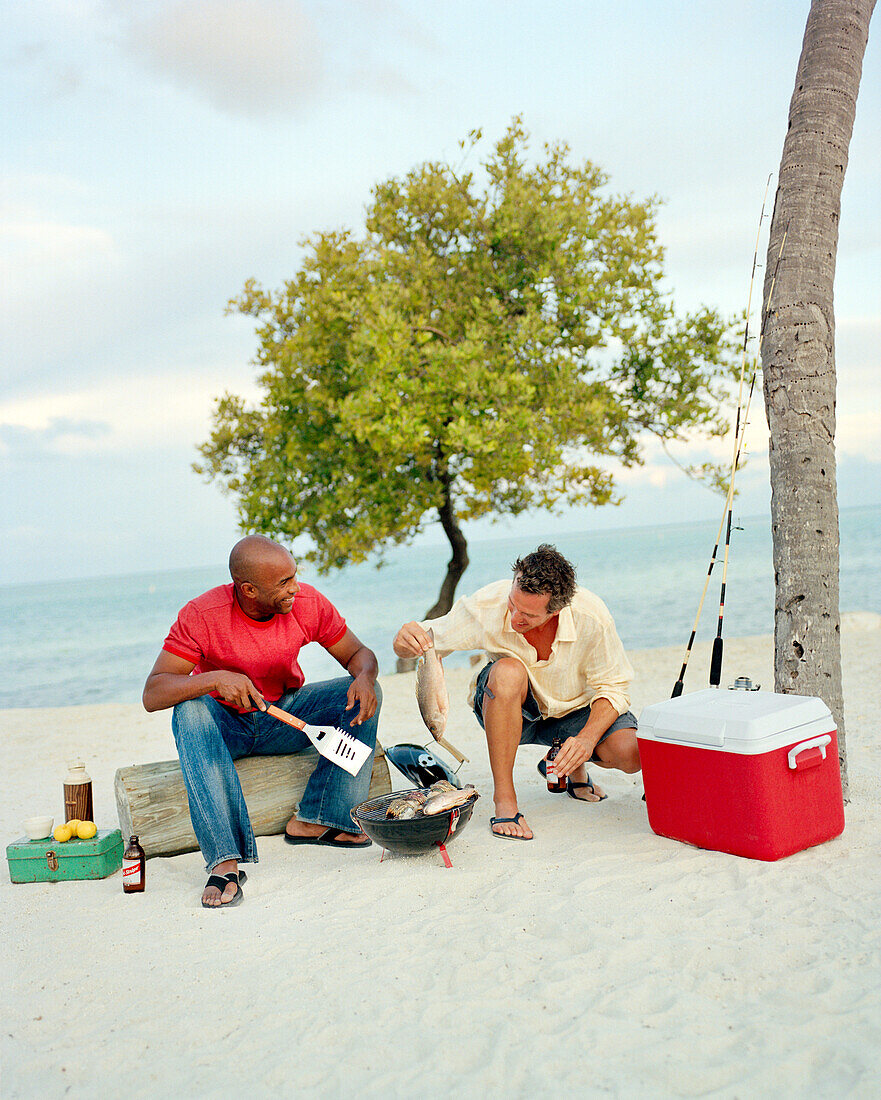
(283, 716)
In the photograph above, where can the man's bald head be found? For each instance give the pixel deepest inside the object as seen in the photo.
(264, 575)
(250, 556)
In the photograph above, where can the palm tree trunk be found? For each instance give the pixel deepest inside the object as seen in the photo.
(798, 354)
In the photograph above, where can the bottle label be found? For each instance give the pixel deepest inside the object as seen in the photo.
(131, 872)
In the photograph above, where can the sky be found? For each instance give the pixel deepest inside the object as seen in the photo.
(157, 153)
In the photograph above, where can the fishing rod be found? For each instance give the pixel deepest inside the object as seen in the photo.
(716, 660)
(739, 433)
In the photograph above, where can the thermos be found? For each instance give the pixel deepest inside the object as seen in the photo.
(78, 793)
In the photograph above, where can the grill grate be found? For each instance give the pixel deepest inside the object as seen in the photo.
(374, 809)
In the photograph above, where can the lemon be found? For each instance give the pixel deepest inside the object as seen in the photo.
(85, 830)
(62, 833)
(72, 824)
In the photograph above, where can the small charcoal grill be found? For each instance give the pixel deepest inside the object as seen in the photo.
(416, 835)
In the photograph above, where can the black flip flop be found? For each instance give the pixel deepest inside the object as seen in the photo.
(327, 838)
(515, 820)
(570, 787)
(542, 766)
(239, 878)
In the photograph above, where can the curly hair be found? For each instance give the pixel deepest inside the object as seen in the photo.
(546, 572)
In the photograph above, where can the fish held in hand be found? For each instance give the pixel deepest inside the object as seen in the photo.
(448, 800)
(431, 693)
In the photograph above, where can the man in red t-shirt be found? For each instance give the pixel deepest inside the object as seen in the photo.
(231, 651)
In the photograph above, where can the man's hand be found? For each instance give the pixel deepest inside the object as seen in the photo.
(360, 663)
(236, 689)
(575, 752)
(361, 691)
(412, 641)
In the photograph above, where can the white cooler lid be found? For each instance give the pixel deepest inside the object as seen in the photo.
(748, 722)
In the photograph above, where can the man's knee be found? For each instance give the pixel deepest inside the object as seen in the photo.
(193, 718)
(508, 679)
(620, 750)
(629, 755)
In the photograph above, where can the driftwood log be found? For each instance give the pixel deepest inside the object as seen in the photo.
(151, 799)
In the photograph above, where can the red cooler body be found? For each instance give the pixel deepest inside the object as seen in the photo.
(751, 773)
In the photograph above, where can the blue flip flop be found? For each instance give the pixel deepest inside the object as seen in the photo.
(515, 820)
(570, 787)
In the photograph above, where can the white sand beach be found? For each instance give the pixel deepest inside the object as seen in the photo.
(598, 960)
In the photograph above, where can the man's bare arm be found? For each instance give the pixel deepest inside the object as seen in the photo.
(170, 683)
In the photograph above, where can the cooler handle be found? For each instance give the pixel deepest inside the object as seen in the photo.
(816, 743)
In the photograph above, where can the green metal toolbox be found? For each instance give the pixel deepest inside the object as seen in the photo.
(48, 861)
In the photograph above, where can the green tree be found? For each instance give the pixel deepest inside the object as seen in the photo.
(474, 352)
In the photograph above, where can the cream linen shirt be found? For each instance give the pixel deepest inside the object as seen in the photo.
(587, 660)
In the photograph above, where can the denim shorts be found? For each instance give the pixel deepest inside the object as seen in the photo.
(542, 731)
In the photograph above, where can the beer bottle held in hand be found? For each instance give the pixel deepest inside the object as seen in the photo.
(133, 864)
(556, 783)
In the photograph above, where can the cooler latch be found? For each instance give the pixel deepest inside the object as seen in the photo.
(51, 861)
(811, 752)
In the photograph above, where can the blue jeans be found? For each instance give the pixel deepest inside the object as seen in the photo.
(210, 736)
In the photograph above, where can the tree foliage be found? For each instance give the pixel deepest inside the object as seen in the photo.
(477, 350)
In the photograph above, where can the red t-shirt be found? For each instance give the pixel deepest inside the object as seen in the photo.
(215, 634)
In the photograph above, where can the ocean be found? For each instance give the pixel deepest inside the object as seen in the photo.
(95, 640)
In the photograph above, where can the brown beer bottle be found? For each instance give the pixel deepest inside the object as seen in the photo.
(556, 783)
(133, 865)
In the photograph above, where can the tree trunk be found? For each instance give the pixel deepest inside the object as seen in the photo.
(456, 566)
(798, 354)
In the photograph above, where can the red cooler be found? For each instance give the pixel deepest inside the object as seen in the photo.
(746, 772)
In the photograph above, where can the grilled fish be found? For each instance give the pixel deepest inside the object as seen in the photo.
(431, 693)
(448, 800)
(441, 785)
(402, 808)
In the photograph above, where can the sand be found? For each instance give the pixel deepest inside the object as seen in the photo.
(599, 960)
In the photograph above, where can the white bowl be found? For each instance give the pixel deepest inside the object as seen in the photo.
(38, 828)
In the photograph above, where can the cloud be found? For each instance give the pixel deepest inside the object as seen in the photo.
(858, 434)
(152, 413)
(59, 435)
(46, 241)
(247, 57)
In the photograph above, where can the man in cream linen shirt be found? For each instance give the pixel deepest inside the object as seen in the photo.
(557, 669)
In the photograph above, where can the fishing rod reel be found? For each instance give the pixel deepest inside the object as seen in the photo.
(744, 683)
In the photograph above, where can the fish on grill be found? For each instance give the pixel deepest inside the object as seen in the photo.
(407, 806)
(448, 800)
(441, 785)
